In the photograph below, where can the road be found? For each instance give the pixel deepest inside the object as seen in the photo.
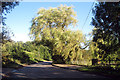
(46, 70)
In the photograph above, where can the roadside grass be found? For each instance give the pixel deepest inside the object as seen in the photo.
(17, 63)
(103, 70)
(41, 59)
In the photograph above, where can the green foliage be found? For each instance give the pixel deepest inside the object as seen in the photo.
(23, 53)
(43, 52)
(62, 16)
(50, 28)
(105, 70)
(65, 44)
(106, 33)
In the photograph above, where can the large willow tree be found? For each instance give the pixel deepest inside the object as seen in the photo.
(62, 16)
(50, 27)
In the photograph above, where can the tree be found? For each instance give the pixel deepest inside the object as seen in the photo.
(50, 27)
(62, 16)
(65, 45)
(6, 8)
(6, 35)
(107, 31)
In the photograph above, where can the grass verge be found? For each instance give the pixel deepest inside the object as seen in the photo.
(106, 71)
(17, 64)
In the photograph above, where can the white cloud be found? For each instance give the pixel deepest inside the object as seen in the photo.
(21, 37)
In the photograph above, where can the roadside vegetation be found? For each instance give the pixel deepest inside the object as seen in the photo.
(19, 53)
(102, 70)
(106, 39)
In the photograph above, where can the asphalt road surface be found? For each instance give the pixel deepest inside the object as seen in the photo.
(46, 70)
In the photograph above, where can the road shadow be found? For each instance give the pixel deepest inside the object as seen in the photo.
(44, 71)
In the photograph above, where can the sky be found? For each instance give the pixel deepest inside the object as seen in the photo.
(19, 19)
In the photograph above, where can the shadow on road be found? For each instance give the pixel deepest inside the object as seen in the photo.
(44, 70)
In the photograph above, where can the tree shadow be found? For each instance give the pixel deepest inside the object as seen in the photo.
(58, 59)
(9, 63)
(45, 70)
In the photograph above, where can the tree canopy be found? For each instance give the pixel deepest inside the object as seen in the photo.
(6, 8)
(61, 16)
(107, 28)
(50, 28)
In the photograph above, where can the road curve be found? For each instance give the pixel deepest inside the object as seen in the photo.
(46, 70)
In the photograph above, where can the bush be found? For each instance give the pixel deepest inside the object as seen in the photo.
(24, 53)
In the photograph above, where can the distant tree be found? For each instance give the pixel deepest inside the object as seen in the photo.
(6, 35)
(107, 28)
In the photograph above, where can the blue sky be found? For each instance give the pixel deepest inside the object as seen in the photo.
(19, 19)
